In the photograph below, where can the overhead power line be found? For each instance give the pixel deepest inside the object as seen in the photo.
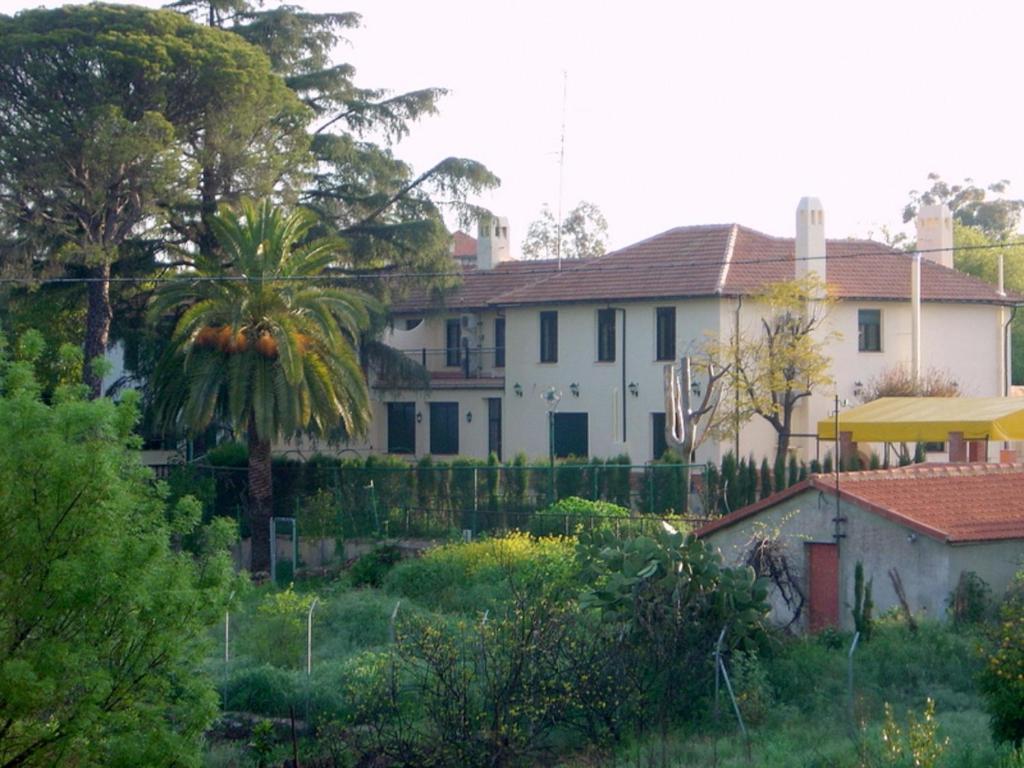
(591, 265)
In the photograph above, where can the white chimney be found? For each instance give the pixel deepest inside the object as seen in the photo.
(492, 242)
(810, 238)
(935, 234)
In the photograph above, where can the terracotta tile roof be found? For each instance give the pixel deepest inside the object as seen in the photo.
(686, 261)
(957, 503)
(710, 260)
(730, 259)
(463, 245)
(479, 287)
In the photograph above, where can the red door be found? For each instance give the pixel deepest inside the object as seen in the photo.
(823, 583)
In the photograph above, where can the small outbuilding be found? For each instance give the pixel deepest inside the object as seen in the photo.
(915, 529)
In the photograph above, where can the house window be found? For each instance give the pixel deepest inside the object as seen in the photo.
(499, 342)
(494, 426)
(453, 343)
(401, 427)
(444, 428)
(549, 337)
(665, 328)
(570, 435)
(606, 335)
(869, 330)
(658, 442)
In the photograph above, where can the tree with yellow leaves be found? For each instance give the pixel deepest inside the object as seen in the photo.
(783, 360)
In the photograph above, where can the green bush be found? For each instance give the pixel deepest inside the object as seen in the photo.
(617, 480)
(370, 569)
(228, 455)
(970, 602)
(275, 632)
(573, 514)
(265, 689)
(475, 576)
(1002, 679)
(571, 477)
(751, 685)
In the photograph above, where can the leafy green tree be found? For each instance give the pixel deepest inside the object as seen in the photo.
(582, 234)
(115, 119)
(262, 345)
(783, 362)
(390, 215)
(102, 622)
(987, 209)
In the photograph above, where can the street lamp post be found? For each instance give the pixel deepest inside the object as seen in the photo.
(553, 397)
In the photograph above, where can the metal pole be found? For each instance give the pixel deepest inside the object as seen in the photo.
(273, 552)
(849, 681)
(309, 637)
(309, 651)
(551, 456)
(227, 646)
(391, 623)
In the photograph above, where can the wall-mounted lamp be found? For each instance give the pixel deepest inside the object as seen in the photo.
(858, 388)
(911, 537)
(634, 389)
(518, 389)
(695, 388)
(574, 388)
(469, 417)
(419, 417)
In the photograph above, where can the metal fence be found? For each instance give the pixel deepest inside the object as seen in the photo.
(354, 499)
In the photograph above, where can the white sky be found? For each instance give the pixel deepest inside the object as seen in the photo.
(694, 112)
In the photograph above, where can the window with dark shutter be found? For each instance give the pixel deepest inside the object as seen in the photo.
(549, 337)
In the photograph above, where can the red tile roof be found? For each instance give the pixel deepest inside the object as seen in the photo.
(712, 260)
(956, 503)
(463, 246)
(479, 287)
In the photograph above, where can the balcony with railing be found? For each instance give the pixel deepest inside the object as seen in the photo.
(482, 365)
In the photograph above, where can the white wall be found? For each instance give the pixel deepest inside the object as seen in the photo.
(600, 383)
(964, 339)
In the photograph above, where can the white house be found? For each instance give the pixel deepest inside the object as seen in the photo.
(588, 339)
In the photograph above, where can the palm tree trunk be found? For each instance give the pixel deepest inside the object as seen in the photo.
(260, 499)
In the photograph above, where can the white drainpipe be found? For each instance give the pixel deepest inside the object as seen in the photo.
(915, 318)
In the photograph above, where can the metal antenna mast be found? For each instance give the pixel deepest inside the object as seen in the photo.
(561, 172)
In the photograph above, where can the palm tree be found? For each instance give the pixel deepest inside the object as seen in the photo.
(263, 346)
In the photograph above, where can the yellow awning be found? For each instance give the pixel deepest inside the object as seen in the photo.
(930, 419)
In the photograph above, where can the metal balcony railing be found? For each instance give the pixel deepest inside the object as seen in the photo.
(465, 361)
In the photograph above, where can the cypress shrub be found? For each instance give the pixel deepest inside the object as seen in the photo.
(729, 486)
(493, 480)
(766, 479)
(516, 482)
(426, 484)
(617, 480)
(780, 472)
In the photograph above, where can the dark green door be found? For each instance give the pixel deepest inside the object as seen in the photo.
(571, 435)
